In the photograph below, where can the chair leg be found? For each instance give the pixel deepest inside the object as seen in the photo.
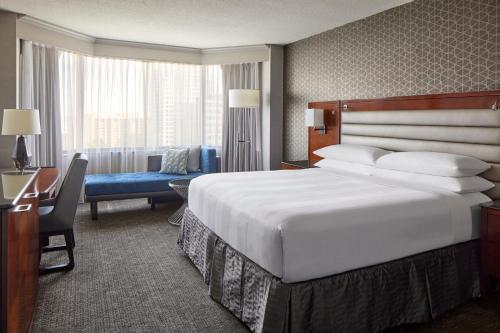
(93, 210)
(70, 244)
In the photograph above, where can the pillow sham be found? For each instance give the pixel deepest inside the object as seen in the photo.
(431, 163)
(174, 161)
(452, 184)
(337, 165)
(352, 153)
(193, 162)
(475, 198)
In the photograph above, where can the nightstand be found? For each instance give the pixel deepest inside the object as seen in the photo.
(490, 244)
(295, 165)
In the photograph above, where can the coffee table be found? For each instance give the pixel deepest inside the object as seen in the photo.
(181, 186)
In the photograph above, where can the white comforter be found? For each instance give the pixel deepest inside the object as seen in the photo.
(306, 224)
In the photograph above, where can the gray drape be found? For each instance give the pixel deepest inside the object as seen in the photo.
(241, 127)
(39, 89)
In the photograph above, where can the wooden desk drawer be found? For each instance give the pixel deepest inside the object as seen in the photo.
(494, 259)
(493, 228)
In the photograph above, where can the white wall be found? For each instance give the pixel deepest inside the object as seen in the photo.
(152, 52)
(34, 30)
(8, 80)
(235, 55)
(276, 106)
(266, 114)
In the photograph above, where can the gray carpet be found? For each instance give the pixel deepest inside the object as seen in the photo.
(130, 276)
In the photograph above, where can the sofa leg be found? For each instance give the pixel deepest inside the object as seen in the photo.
(93, 210)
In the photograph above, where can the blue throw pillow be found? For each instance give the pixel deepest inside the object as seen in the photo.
(174, 161)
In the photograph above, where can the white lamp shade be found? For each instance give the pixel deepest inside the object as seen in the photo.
(314, 118)
(20, 122)
(244, 98)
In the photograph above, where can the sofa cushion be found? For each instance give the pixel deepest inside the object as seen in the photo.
(137, 182)
(175, 161)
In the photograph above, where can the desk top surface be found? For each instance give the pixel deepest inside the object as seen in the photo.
(13, 184)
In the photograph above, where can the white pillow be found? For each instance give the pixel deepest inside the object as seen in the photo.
(429, 163)
(452, 184)
(474, 199)
(193, 163)
(352, 153)
(337, 165)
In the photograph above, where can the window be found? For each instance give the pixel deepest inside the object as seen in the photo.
(117, 104)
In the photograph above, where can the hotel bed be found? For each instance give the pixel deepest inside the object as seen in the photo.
(322, 250)
(307, 224)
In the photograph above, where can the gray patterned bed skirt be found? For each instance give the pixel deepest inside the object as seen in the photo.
(410, 290)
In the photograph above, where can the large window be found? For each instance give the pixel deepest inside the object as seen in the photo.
(110, 104)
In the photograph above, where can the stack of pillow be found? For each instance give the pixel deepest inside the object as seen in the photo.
(455, 173)
(181, 160)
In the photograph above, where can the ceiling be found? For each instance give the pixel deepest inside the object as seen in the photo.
(200, 23)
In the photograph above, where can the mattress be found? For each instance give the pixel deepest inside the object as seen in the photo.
(306, 224)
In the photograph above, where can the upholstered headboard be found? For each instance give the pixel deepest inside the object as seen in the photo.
(460, 123)
(463, 124)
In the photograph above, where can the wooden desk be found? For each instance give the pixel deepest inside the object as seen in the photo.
(19, 255)
(46, 182)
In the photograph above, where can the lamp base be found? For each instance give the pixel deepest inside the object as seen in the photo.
(20, 154)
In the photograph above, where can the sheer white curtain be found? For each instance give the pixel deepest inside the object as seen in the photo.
(213, 104)
(119, 111)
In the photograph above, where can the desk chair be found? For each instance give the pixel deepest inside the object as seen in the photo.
(58, 215)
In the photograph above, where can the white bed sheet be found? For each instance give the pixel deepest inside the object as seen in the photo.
(311, 223)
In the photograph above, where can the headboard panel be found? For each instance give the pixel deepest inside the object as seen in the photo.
(453, 123)
(461, 123)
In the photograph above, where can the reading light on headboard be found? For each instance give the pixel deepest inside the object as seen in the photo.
(315, 118)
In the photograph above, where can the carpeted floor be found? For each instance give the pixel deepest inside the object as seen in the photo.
(130, 276)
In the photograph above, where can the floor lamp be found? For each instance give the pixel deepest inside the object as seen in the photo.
(244, 98)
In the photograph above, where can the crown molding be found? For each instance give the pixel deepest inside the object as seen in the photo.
(56, 28)
(228, 49)
(115, 42)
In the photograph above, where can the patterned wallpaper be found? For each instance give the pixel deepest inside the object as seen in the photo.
(424, 47)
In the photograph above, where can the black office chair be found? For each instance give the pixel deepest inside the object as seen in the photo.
(58, 215)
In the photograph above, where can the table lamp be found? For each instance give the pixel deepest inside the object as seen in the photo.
(315, 118)
(21, 122)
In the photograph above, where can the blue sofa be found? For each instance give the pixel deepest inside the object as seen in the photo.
(151, 184)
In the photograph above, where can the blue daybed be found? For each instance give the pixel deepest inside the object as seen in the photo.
(151, 184)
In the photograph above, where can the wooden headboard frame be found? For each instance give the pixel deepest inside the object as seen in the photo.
(317, 140)
(471, 100)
